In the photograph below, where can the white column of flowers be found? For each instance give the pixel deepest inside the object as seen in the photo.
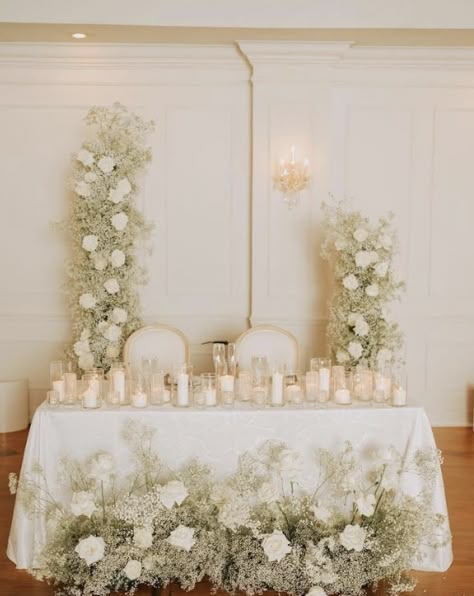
(105, 225)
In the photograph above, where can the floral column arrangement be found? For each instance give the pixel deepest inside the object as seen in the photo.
(105, 226)
(360, 330)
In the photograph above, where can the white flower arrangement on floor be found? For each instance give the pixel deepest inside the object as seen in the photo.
(360, 330)
(341, 530)
(105, 226)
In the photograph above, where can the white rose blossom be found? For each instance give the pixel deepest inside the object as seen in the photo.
(182, 537)
(119, 221)
(100, 262)
(289, 463)
(85, 157)
(102, 467)
(342, 356)
(90, 177)
(106, 164)
(86, 361)
(350, 282)
(117, 258)
(83, 189)
(355, 349)
(361, 235)
(91, 549)
(353, 537)
(83, 503)
(112, 286)
(174, 492)
(316, 591)
(386, 241)
(381, 269)
(372, 290)
(119, 315)
(143, 537)
(113, 333)
(87, 300)
(363, 259)
(133, 570)
(90, 243)
(124, 186)
(322, 513)
(115, 196)
(276, 546)
(361, 327)
(366, 504)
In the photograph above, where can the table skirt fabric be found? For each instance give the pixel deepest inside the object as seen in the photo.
(216, 437)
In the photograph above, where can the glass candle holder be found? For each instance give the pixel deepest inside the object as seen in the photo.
(208, 390)
(157, 388)
(56, 371)
(226, 389)
(113, 399)
(245, 385)
(231, 360)
(117, 380)
(70, 387)
(382, 383)
(219, 359)
(294, 395)
(52, 397)
(363, 384)
(259, 380)
(91, 391)
(312, 386)
(182, 386)
(399, 387)
(138, 389)
(322, 366)
(277, 398)
(342, 392)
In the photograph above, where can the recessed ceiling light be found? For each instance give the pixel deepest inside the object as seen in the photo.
(79, 35)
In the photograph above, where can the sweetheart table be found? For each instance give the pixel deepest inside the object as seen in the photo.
(217, 436)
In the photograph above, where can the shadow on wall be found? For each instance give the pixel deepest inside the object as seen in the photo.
(470, 404)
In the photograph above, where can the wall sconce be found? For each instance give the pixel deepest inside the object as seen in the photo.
(292, 176)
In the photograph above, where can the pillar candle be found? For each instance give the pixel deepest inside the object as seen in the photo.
(139, 399)
(118, 383)
(399, 397)
(342, 396)
(183, 390)
(210, 396)
(226, 383)
(277, 389)
(324, 375)
(294, 394)
(59, 387)
(89, 398)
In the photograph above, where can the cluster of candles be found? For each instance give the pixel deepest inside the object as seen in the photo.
(262, 385)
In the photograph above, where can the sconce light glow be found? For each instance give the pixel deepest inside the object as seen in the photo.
(79, 35)
(292, 176)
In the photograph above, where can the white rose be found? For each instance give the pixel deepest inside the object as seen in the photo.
(372, 290)
(173, 492)
(90, 177)
(374, 255)
(316, 591)
(102, 326)
(85, 157)
(182, 537)
(82, 503)
(353, 537)
(363, 258)
(341, 356)
(119, 315)
(366, 504)
(112, 351)
(355, 349)
(276, 546)
(289, 463)
(361, 327)
(81, 347)
(83, 189)
(387, 455)
(381, 269)
(106, 164)
(102, 467)
(124, 186)
(322, 513)
(268, 492)
(87, 300)
(90, 242)
(91, 549)
(117, 258)
(112, 286)
(340, 244)
(386, 241)
(86, 361)
(143, 537)
(133, 569)
(148, 563)
(353, 317)
(115, 195)
(113, 333)
(361, 234)
(100, 262)
(350, 282)
(119, 221)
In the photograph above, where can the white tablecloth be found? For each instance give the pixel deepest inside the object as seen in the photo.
(217, 437)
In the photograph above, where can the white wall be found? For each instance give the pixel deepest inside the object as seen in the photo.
(392, 128)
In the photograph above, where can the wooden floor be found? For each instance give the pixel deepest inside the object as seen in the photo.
(457, 445)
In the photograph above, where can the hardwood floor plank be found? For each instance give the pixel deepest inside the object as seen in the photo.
(457, 445)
